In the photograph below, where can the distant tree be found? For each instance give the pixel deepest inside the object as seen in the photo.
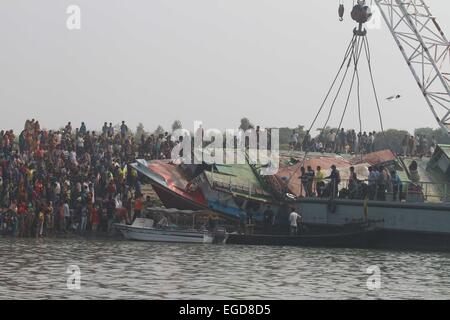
(286, 133)
(427, 132)
(246, 124)
(391, 139)
(441, 136)
(159, 130)
(176, 125)
(139, 132)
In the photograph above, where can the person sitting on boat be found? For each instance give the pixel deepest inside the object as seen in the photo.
(414, 172)
(163, 223)
(191, 186)
(294, 219)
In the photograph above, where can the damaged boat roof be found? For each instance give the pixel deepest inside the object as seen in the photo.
(239, 178)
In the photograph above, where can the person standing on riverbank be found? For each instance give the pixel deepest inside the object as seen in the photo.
(110, 213)
(40, 223)
(95, 218)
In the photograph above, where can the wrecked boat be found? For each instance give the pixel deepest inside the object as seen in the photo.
(421, 219)
(171, 183)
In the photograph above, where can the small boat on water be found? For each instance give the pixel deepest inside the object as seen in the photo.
(182, 226)
(143, 229)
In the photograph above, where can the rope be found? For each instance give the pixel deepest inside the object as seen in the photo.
(348, 53)
(367, 50)
(353, 53)
(356, 57)
(340, 86)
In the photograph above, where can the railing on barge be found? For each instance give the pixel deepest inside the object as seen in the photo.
(410, 192)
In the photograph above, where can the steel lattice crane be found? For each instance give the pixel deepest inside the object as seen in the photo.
(426, 50)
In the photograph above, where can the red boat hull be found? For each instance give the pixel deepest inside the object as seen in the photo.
(171, 199)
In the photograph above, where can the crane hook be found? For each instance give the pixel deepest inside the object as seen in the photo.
(341, 12)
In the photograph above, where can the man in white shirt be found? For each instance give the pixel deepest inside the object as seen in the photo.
(293, 218)
(57, 190)
(293, 140)
(66, 211)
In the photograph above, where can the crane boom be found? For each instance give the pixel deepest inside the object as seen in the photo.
(426, 50)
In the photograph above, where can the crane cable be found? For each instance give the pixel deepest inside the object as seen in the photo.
(353, 53)
(349, 53)
(369, 63)
(356, 58)
(340, 86)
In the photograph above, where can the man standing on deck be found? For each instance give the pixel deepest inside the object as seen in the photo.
(372, 183)
(382, 181)
(320, 175)
(310, 174)
(405, 145)
(397, 187)
(294, 218)
(335, 178)
(293, 140)
(268, 219)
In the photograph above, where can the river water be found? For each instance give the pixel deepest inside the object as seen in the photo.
(115, 269)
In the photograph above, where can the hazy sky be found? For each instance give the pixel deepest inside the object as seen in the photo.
(154, 61)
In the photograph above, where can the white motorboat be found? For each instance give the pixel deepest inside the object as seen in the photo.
(143, 229)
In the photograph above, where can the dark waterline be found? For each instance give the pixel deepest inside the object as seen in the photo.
(111, 269)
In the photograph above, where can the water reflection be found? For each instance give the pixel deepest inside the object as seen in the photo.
(36, 269)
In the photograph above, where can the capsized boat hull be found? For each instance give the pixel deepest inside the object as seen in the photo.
(170, 185)
(172, 199)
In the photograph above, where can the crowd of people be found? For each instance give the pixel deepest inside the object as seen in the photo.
(349, 142)
(71, 180)
(380, 182)
(339, 141)
(418, 145)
